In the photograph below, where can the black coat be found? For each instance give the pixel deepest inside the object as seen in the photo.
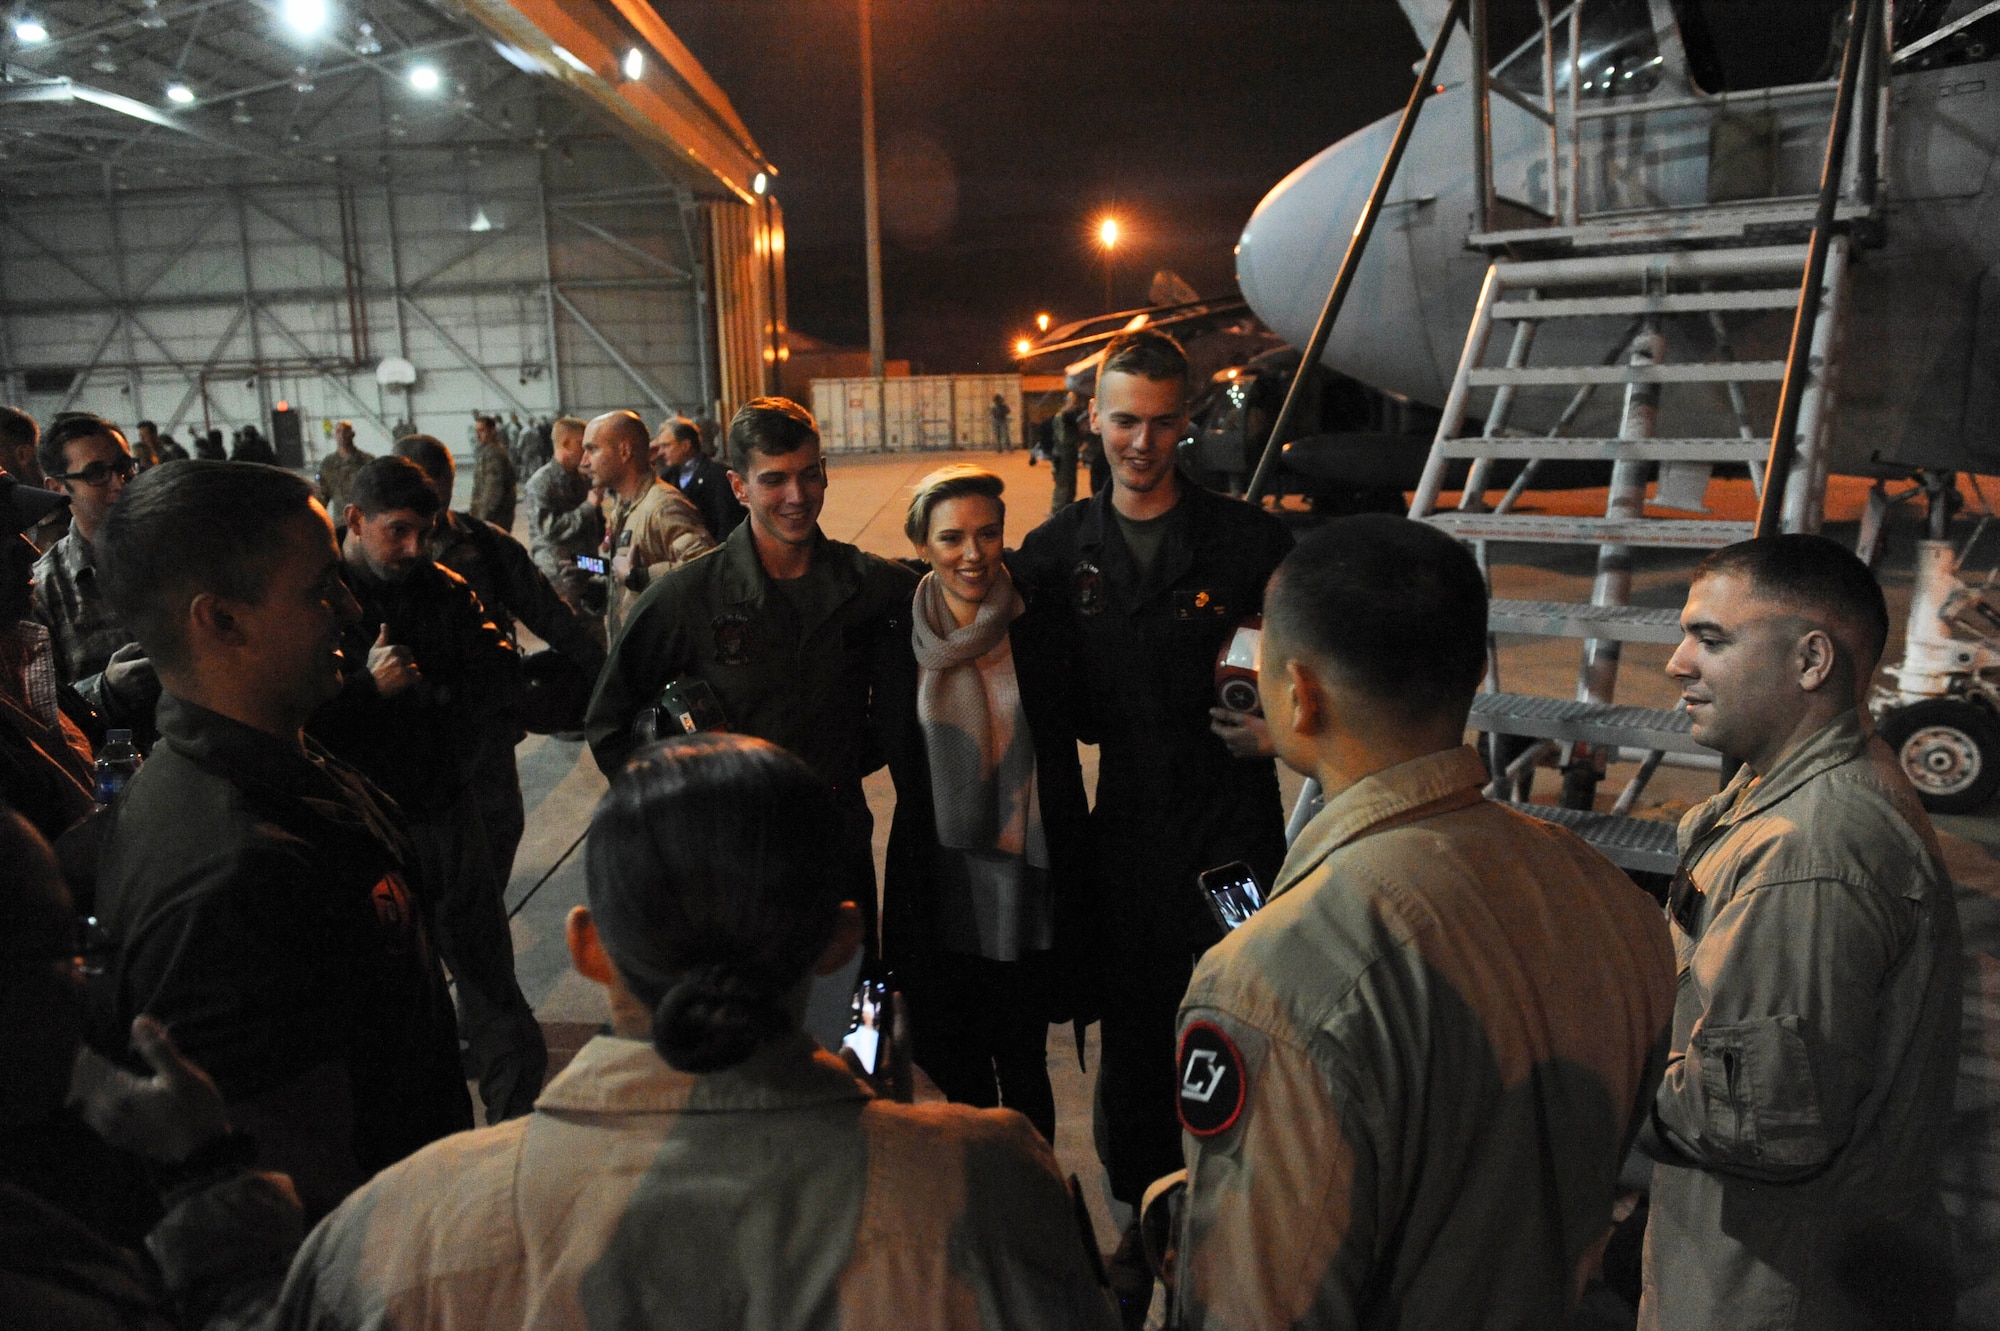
(708, 490)
(1171, 801)
(910, 923)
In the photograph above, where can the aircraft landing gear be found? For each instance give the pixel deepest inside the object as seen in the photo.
(1950, 750)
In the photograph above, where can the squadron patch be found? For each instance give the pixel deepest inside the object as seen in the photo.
(1087, 582)
(1212, 1081)
(732, 638)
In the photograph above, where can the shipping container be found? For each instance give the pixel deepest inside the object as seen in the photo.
(926, 413)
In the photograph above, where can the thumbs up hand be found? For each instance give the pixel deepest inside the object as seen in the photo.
(394, 669)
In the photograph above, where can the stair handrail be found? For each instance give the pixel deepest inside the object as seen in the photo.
(1862, 18)
(1315, 346)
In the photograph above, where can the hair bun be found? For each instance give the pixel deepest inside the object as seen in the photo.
(712, 1019)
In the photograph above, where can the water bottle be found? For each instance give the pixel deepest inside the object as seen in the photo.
(116, 762)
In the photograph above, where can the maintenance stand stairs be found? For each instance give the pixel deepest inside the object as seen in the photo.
(1635, 306)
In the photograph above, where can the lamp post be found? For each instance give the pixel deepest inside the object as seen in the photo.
(1107, 236)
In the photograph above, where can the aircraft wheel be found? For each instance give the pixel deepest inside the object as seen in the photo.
(1949, 749)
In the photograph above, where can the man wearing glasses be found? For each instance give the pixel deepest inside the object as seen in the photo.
(86, 457)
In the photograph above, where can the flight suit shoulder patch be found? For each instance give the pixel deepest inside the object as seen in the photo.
(1213, 1080)
(733, 638)
(1087, 588)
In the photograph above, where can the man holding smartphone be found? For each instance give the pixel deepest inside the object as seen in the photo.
(653, 529)
(1156, 573)
(1407, 1083)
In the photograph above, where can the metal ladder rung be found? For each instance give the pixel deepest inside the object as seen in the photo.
(1610, 450)
(1571, 376)
(1668, 266)
(1569, 619)
(1541, 528)
(1591, 723)
(1677, 302)
(1629, 843)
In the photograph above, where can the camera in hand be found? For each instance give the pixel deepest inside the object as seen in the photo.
(1232, 894)
(1236, 668)
(685, 706)
(592, 564)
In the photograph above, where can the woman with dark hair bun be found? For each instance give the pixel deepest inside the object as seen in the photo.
(706, 1164)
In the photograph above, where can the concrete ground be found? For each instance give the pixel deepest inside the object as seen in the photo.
(865, 504)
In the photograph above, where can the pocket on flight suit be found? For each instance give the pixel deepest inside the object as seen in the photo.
(1760, 1100)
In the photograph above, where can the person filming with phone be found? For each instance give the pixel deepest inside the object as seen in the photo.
(703, 1163)
(1407, 1083)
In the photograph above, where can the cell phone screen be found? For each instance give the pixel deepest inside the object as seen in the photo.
(864, 1033)
(1232, 894)
(590, 563)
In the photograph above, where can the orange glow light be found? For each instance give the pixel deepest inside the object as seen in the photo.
(1042, 322)
(1107, 233)
(1022, 347)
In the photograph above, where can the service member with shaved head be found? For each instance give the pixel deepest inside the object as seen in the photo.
(1815, 1039)
(1406, 1084)
(652, 528)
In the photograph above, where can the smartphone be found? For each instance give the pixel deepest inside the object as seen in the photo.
(592, 564)
(1232, 894)
(865, 1034)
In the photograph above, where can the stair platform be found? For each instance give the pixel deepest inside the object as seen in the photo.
(1630, 843)
(1570, 619)
(1543, 528)
(1609, 450)
(1569, 721)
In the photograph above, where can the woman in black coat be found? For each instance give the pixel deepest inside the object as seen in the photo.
(986, 900)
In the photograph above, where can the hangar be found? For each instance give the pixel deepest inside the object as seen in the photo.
(211, 209)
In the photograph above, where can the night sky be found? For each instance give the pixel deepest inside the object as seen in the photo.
(1007, 127)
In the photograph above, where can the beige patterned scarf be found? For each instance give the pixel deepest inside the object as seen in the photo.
(969, 706)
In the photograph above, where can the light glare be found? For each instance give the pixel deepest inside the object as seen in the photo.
(305, 17)
(1023, 347)
(635, 64)
(761, 183)
(1042, 322)
(180, 92)
(569, 57)
(30, 30)
(424, 78)
(1107, 233)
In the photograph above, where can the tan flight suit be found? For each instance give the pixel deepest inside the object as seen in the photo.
(1408, 1082)
(776, 1195)
(661, 531)
(1814, 1054)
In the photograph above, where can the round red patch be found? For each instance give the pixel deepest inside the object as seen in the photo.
(1212, 1084)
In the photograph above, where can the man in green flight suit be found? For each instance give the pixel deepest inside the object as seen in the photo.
(794, 633)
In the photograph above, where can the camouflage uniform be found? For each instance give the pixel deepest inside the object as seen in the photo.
(1814, 1053)
(775, 1195)
(1408, 1082)
(337, 471)
(493, 486)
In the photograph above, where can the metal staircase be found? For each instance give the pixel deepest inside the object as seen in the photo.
(1647, 294)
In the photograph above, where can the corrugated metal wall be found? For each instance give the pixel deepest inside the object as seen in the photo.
(924, 412)
(746, 245)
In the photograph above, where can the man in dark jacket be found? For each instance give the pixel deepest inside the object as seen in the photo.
(45, 752)
(261, 893)
(681, 460)
(795, 634)
(510, 587)
(440, 678)
(1157, 573)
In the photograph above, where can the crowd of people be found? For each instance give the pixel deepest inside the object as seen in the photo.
(1409, 1091)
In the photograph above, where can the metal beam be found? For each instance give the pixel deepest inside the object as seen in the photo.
(214, 356)
(620, 244)
(76, 384)
(67, 91)
(645, 385)
(329, 373)
(465, 357)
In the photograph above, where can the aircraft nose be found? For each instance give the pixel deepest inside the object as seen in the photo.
(1293, 244)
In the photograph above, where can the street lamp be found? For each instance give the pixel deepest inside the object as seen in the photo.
(1042, 322)
(1107, 236)
(1023, 347)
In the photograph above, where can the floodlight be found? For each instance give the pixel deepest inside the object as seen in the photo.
(30, 30)
(305, 17)
(424, 78)
(635, 64)
(760, 183)
(180, 92)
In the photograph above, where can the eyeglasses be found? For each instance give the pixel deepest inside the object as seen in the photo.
(91, 946)
(100, 473)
